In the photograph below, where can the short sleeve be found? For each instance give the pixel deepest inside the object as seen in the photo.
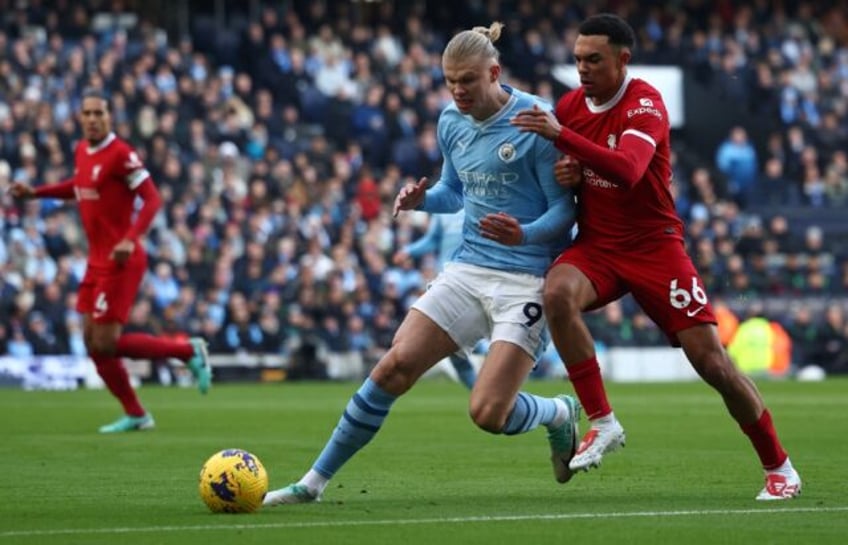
(132, 168)
(647, 118)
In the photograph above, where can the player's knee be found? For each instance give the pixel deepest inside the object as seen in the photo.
(101, 345)
(560, 298)
(393, 372)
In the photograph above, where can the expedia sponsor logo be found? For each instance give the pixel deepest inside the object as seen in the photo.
(644, 110)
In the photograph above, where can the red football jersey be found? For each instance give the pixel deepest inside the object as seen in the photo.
(610, 214)
(105, 181)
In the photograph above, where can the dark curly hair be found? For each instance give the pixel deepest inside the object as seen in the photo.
(612, 26)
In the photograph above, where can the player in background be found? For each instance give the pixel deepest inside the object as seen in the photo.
(108, 179)
(517, 219)
(443, 238)
(615, 132)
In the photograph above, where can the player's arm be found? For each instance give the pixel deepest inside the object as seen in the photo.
(558, 219)
(552, 225)
(436, 200)
(446, 195)
(138, 179)
(626, 164)
(442, 198)
(61, 190)
(151, 203)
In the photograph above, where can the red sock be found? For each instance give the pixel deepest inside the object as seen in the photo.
(589, 387)
(113, 373)
(148, 347)
(765, 441)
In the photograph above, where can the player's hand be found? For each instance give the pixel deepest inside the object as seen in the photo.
(410, 197)
(537, 120)
(568, 172)
(400, 257)
(501, 228)
(122, 251)
(20, 190)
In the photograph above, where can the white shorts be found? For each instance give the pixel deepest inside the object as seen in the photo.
(471, 303)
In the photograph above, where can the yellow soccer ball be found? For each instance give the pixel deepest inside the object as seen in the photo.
(233, 481)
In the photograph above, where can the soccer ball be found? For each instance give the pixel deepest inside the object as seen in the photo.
(233, 481)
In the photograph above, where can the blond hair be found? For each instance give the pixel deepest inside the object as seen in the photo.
(477, 42)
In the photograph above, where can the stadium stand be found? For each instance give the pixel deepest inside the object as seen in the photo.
(279, 134)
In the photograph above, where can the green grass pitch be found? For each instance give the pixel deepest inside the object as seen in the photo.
(687, 474)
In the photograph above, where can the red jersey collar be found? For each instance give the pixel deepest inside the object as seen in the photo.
(611, 102)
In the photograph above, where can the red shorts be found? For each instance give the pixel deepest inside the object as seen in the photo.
(108, 294)
(663, 281)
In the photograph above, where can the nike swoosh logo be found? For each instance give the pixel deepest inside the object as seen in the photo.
(691, 313)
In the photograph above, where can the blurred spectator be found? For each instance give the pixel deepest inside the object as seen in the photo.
(805, 335)
(41, 337)
(616, 329)
(773, 189)
(343, 360)
(736, 158)
(162, 285)
(646, 332)
(833, 344)
(240, 334)
(761, 347)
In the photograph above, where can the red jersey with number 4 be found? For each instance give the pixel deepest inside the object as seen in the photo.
(105, 179)
(610, 214)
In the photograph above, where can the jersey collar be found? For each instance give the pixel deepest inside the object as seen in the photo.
(611, 102)
(103, 143)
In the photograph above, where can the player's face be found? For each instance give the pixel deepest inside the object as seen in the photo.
(95, 119)
(601, 66)
(470, 83)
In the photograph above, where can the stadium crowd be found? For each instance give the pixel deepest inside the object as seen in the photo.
(278, 153)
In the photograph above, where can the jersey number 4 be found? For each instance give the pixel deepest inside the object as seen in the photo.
(100, 304)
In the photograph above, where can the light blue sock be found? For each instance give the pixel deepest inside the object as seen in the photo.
(528, 413)
(363, 416)
(464, 370)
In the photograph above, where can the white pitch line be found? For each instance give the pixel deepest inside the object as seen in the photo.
(407, 522)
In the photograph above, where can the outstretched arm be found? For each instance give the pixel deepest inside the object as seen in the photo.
(62, 190)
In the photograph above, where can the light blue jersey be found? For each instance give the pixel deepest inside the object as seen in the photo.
(492, 167)
(443, 238)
